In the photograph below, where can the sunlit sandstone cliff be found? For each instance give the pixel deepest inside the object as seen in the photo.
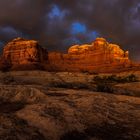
(100, 56)
(24, 54)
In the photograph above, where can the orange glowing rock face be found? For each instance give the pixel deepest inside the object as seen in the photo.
(77, 49)
(99, 49)
(24, 52)
(98, 56)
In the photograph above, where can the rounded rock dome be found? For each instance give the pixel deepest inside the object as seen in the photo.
(79, 49)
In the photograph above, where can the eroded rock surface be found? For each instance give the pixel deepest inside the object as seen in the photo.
(100, 56)
(58, 114)
(23, 54)
(38, 105)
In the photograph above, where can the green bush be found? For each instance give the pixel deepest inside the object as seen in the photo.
(106, 83)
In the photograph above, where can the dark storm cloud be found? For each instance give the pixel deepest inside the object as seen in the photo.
(59, 24)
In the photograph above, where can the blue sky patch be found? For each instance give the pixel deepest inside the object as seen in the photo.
(78, 28)
(56, 12)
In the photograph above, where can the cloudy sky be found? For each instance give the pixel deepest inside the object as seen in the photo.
(58, 24)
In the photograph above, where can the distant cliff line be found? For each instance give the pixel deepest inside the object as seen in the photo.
(100, 56)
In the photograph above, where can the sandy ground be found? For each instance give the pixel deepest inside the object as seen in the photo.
(31, 109)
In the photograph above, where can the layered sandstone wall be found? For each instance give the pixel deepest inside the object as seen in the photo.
(24, 54)
(100, 56)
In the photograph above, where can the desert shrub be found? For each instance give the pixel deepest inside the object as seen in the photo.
(89, 72)
(116, 79)
(58, 84)
(93, 73)
(105, 87)
(103, 84)
(84, 71)
(127, 79)
(106, 83)
(69, 85)
(132, 78)
(78, 85)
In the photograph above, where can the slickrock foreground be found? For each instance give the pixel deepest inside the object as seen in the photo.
(34, 106)
(100, 56)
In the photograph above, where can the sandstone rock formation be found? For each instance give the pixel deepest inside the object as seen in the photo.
(23, 54)
(100, 56)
